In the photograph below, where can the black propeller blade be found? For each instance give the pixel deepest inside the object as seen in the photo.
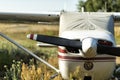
(56, 40)
(115, 51)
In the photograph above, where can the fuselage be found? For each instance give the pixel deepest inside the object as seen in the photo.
(99, 67)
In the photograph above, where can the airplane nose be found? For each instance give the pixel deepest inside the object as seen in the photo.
(89, 47)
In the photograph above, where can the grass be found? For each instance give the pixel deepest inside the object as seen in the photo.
(18, 32)
(117, 34)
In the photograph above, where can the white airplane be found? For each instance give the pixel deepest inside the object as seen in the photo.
(86, 40)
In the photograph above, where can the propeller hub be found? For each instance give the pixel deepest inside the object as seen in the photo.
(89, 47)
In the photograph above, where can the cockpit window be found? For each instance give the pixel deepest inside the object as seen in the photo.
(105, 42)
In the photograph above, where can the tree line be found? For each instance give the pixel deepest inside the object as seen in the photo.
(99, 5)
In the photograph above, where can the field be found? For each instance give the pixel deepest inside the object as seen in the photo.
(117, 34)
(18, 33)
(29, 69)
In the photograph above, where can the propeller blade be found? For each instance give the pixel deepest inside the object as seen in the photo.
(55, 40)
(115, 51)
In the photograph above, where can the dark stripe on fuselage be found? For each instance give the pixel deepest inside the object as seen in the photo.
(98, 59)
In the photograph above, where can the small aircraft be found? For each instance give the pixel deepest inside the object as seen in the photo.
(86, 39)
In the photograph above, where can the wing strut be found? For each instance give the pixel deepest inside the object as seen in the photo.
(29, 52)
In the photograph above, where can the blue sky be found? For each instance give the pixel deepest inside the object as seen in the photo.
(37, 5)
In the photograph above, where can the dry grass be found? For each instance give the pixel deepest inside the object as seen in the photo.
(22, 28)
(117, 31)
(41, 72)
(117, 34)
(18, 32)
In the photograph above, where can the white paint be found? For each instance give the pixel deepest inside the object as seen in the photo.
(102, 70)
(82, 34)
(35, 37)
(118, 45)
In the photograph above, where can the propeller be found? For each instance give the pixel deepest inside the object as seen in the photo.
(55, 40)
(115, 51)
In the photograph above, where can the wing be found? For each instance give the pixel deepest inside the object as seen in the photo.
(39, 17)
(35, 17)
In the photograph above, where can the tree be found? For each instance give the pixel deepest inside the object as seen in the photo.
(99, 5)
